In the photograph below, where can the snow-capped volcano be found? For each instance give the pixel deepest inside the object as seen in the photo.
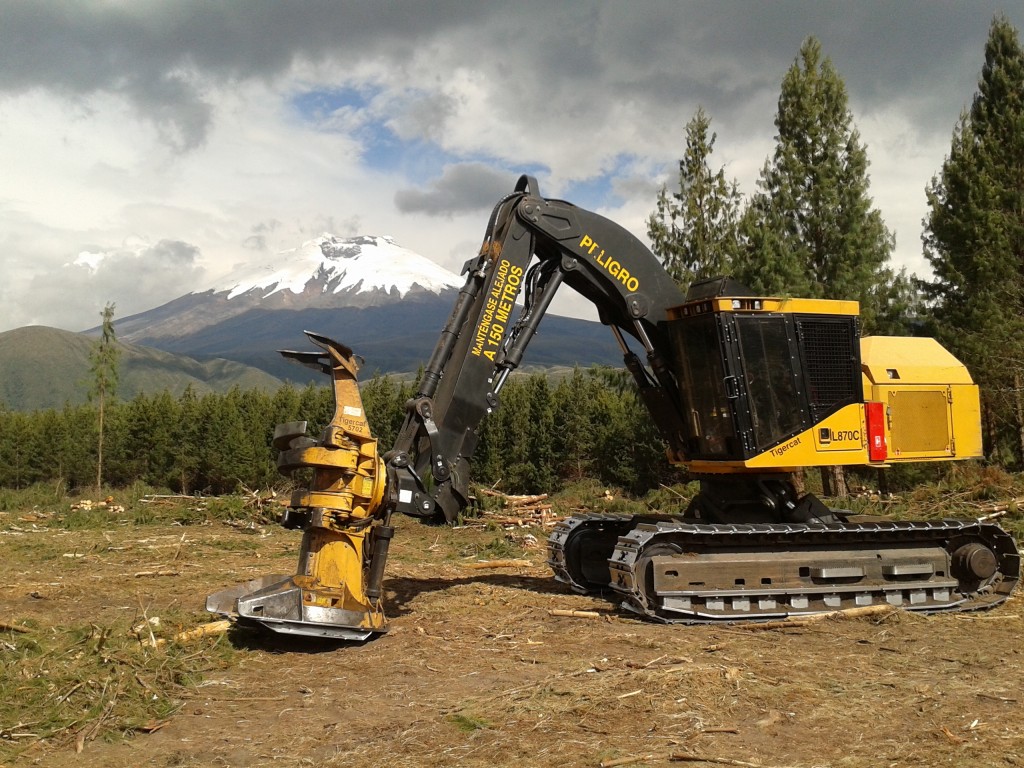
(333, 265)
(327, 273)
(386, 302)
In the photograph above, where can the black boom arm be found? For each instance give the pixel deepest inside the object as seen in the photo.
(532, 246)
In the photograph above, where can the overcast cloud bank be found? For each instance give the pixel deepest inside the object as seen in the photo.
(169, 142)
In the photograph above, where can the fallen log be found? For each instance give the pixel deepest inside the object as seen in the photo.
(513, 499)
(524, 501)
(680, 757)
(801, 621)
(203, 630)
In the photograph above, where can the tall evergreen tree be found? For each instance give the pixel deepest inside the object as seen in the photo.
(541, 432)
(810, 229)
(76, 441)
(184, 470)
(573, 425)
(694, 230)
(104, 358)
(16, 454)
(974, 239)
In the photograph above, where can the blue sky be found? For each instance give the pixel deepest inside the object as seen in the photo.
(421, 161)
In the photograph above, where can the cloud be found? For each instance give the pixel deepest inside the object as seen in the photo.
(460, 189)
(193, 122)
(257, 241)
(135, 276)
(160, 57)
(505, 81)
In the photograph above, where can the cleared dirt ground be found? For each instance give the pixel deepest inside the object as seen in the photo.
(475, 671)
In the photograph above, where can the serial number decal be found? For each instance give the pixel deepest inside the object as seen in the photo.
(780, 450)
(610, 265)
(499, 304)
(844, 435)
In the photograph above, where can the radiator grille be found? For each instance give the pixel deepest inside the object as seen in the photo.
(830, 348)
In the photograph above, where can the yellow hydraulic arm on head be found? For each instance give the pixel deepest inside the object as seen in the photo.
(330, 594)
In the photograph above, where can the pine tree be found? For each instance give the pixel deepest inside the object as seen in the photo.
(120, 465)
(384, 400)
(810, 229)
(163, 417)
(104, 358)
(541, 433)
(974, 239)
(509, 452)
(16, 451)
(184, 473)
(574, 428)
(80, 433)
(694, 230)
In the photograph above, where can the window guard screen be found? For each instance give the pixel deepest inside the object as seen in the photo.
(774, 397)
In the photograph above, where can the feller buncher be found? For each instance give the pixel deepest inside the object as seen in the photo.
(745, 391)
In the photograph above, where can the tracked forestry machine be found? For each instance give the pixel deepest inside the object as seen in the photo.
(745, 391)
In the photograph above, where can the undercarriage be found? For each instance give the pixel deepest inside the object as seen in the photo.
(680, 569)
(780, 557)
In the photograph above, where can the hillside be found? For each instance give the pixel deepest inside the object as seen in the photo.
(43, 367)
(398, 338)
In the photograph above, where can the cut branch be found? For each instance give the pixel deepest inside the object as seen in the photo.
(574, 614)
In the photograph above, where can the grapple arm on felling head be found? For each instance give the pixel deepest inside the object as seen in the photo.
(334, 592)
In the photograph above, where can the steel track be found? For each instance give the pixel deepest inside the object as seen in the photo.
(673, 570)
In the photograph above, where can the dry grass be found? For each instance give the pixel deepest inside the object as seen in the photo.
(474, 672)
(64, 686)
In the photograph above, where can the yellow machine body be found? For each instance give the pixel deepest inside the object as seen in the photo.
(932, 405)
(842, 400)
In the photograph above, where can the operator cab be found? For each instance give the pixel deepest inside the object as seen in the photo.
(754, 372)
